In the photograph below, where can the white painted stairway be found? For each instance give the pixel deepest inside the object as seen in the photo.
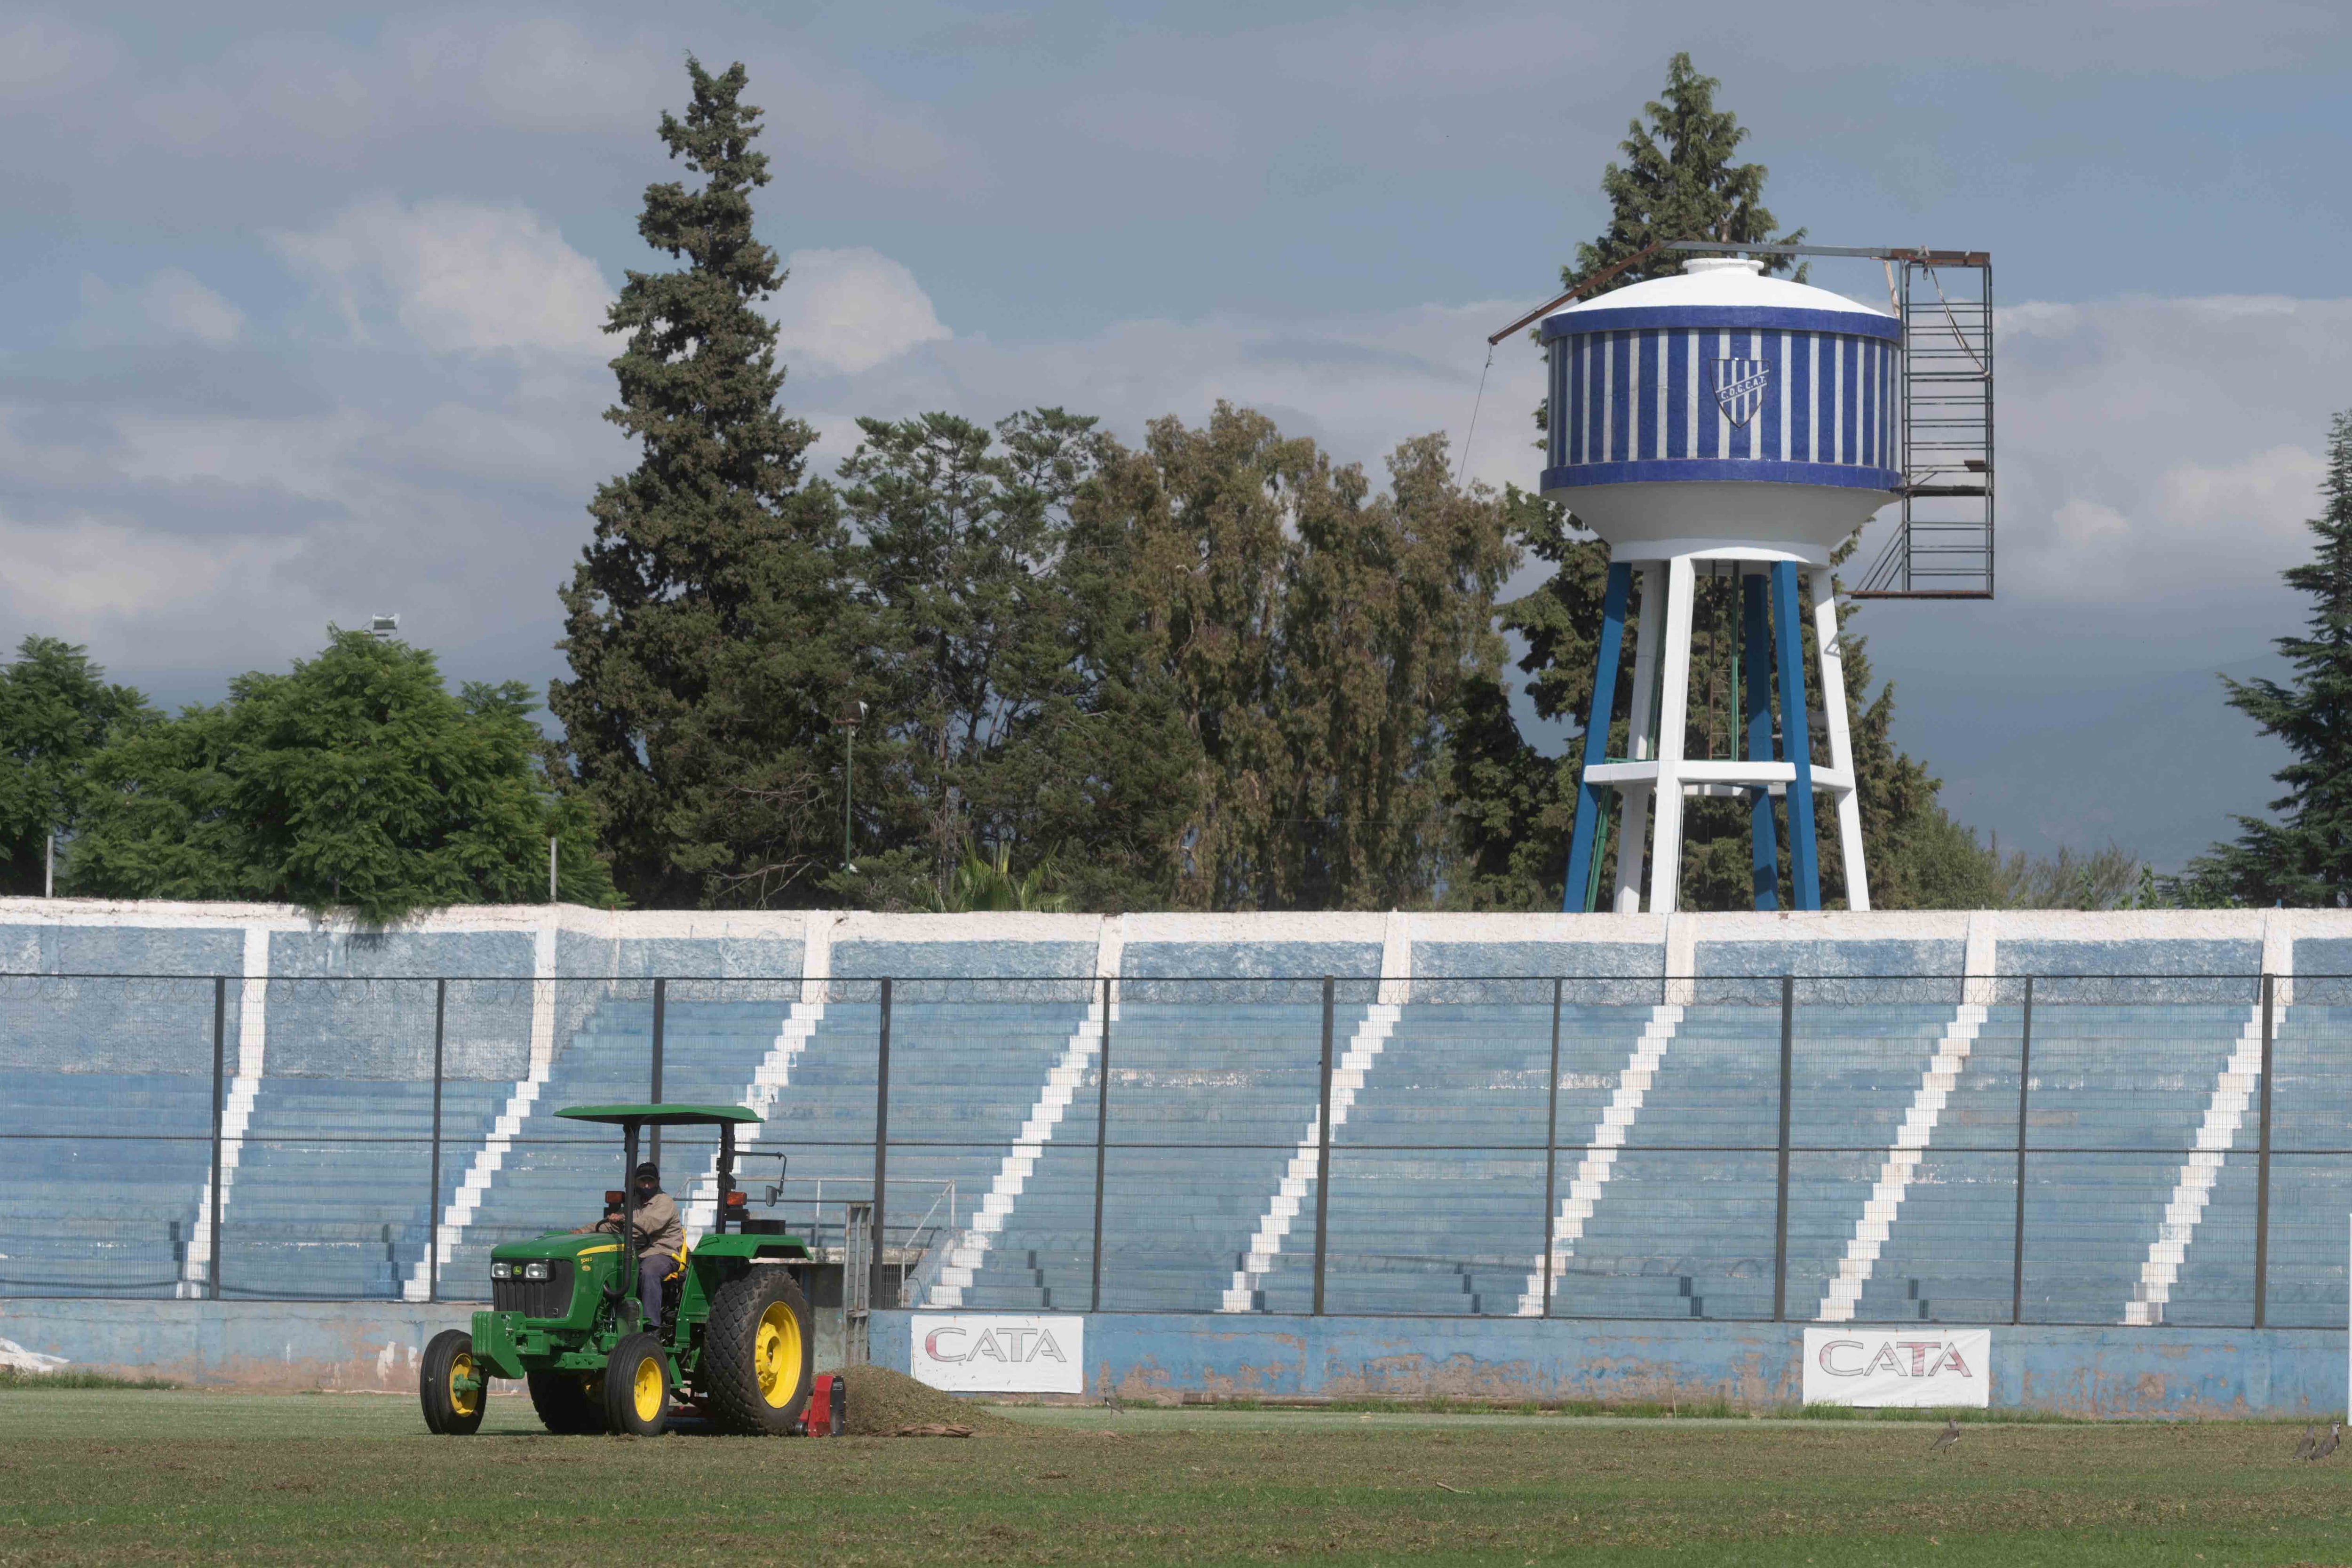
(1298, 1177)
(2225, 1113)
(1885, 1200)
(1062, 1081)
(1600, 1160)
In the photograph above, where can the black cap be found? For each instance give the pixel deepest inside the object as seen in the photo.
(648, 1169)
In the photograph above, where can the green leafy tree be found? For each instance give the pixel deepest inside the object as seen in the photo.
(58, 714)
(709, 626)
(354, 782)
(964, 538)
(2304, 858)
(1320, 638)
(1516, 808)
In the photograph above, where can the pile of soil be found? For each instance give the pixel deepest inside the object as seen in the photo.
(882, 1401)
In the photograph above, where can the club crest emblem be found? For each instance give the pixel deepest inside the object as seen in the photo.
(1739, 387)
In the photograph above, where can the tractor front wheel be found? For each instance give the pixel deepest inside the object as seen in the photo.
(451, 1385)
(565, 1404)
(637, 1386)
(757, 1352)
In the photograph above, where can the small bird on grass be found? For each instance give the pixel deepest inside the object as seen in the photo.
(2327, 1444)
(2310, 1441)
(1948, 1437)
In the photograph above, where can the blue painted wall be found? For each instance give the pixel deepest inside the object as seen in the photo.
(2165, 1372)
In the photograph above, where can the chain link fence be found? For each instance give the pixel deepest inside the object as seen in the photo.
(2042, 1149)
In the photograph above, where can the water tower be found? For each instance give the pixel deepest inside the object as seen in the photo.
(1722, 424)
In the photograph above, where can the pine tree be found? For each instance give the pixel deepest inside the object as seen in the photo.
(2304, 858)
(708, 631)
(1678, 182)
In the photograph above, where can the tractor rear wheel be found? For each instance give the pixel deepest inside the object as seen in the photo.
(565, 1404)
(452, 1409)
(637, 1386)
(757, 1352)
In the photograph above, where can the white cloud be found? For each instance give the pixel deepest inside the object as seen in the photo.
(539, 74)
(41, 57)
(182, 307)
(2157, 448)
(171, 305)
(459, 276)
(298, 457)
(86, 570)
(1358, 383)
(844, 311)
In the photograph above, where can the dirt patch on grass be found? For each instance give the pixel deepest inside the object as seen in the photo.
(882, 1401)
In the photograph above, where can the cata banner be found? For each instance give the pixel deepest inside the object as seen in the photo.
(970, 1353)
(1909, 1366)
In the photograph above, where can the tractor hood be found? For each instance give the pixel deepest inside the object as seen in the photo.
(556, 1244)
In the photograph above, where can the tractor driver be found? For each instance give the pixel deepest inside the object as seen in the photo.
(661, 1237)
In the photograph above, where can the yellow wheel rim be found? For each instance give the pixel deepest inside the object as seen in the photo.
(777, 1356)
(464, 1400)
(646, 1388)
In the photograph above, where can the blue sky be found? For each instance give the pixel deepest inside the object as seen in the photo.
(304, 301)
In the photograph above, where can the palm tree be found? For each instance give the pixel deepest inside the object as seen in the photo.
(989, 884)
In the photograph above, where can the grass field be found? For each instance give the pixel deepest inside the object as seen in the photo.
(89, 1476)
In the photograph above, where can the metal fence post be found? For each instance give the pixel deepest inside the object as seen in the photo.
(1102, 1128)
(433, 1191)
(220, 1107)
(1551, 1145)
(1323, 1152)
(1781, 1203)
(661, 1010)
(881, 1143)
(2262, 1174)
(2017, 1231)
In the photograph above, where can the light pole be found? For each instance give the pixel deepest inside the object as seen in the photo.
(850, 717)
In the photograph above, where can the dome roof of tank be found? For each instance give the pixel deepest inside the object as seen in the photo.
(1712, 283)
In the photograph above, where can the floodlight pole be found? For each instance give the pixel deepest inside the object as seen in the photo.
(848, 720)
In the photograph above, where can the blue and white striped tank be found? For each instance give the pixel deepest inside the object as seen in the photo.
(1722, 392)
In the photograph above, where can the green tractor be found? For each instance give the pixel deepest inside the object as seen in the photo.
(733, 1344)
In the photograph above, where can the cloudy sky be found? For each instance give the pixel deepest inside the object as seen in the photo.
(304, 303)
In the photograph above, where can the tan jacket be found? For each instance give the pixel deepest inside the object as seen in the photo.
(659, 1227)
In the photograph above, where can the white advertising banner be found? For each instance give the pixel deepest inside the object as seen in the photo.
(971, 1353)
(1919, 1366)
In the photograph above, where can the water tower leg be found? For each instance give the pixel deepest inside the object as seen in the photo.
(1764, 844)
(1574, 891)
(1849, 805)
(1674, 707)
(1796, 737)
(1634, 827)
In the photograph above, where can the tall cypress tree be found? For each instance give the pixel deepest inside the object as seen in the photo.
(705, 624)
(2304, 858)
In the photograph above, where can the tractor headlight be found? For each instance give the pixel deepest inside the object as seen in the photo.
(535, 1271)
(501, 1270)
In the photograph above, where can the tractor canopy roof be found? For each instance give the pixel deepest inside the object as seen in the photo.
(658, 1115)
